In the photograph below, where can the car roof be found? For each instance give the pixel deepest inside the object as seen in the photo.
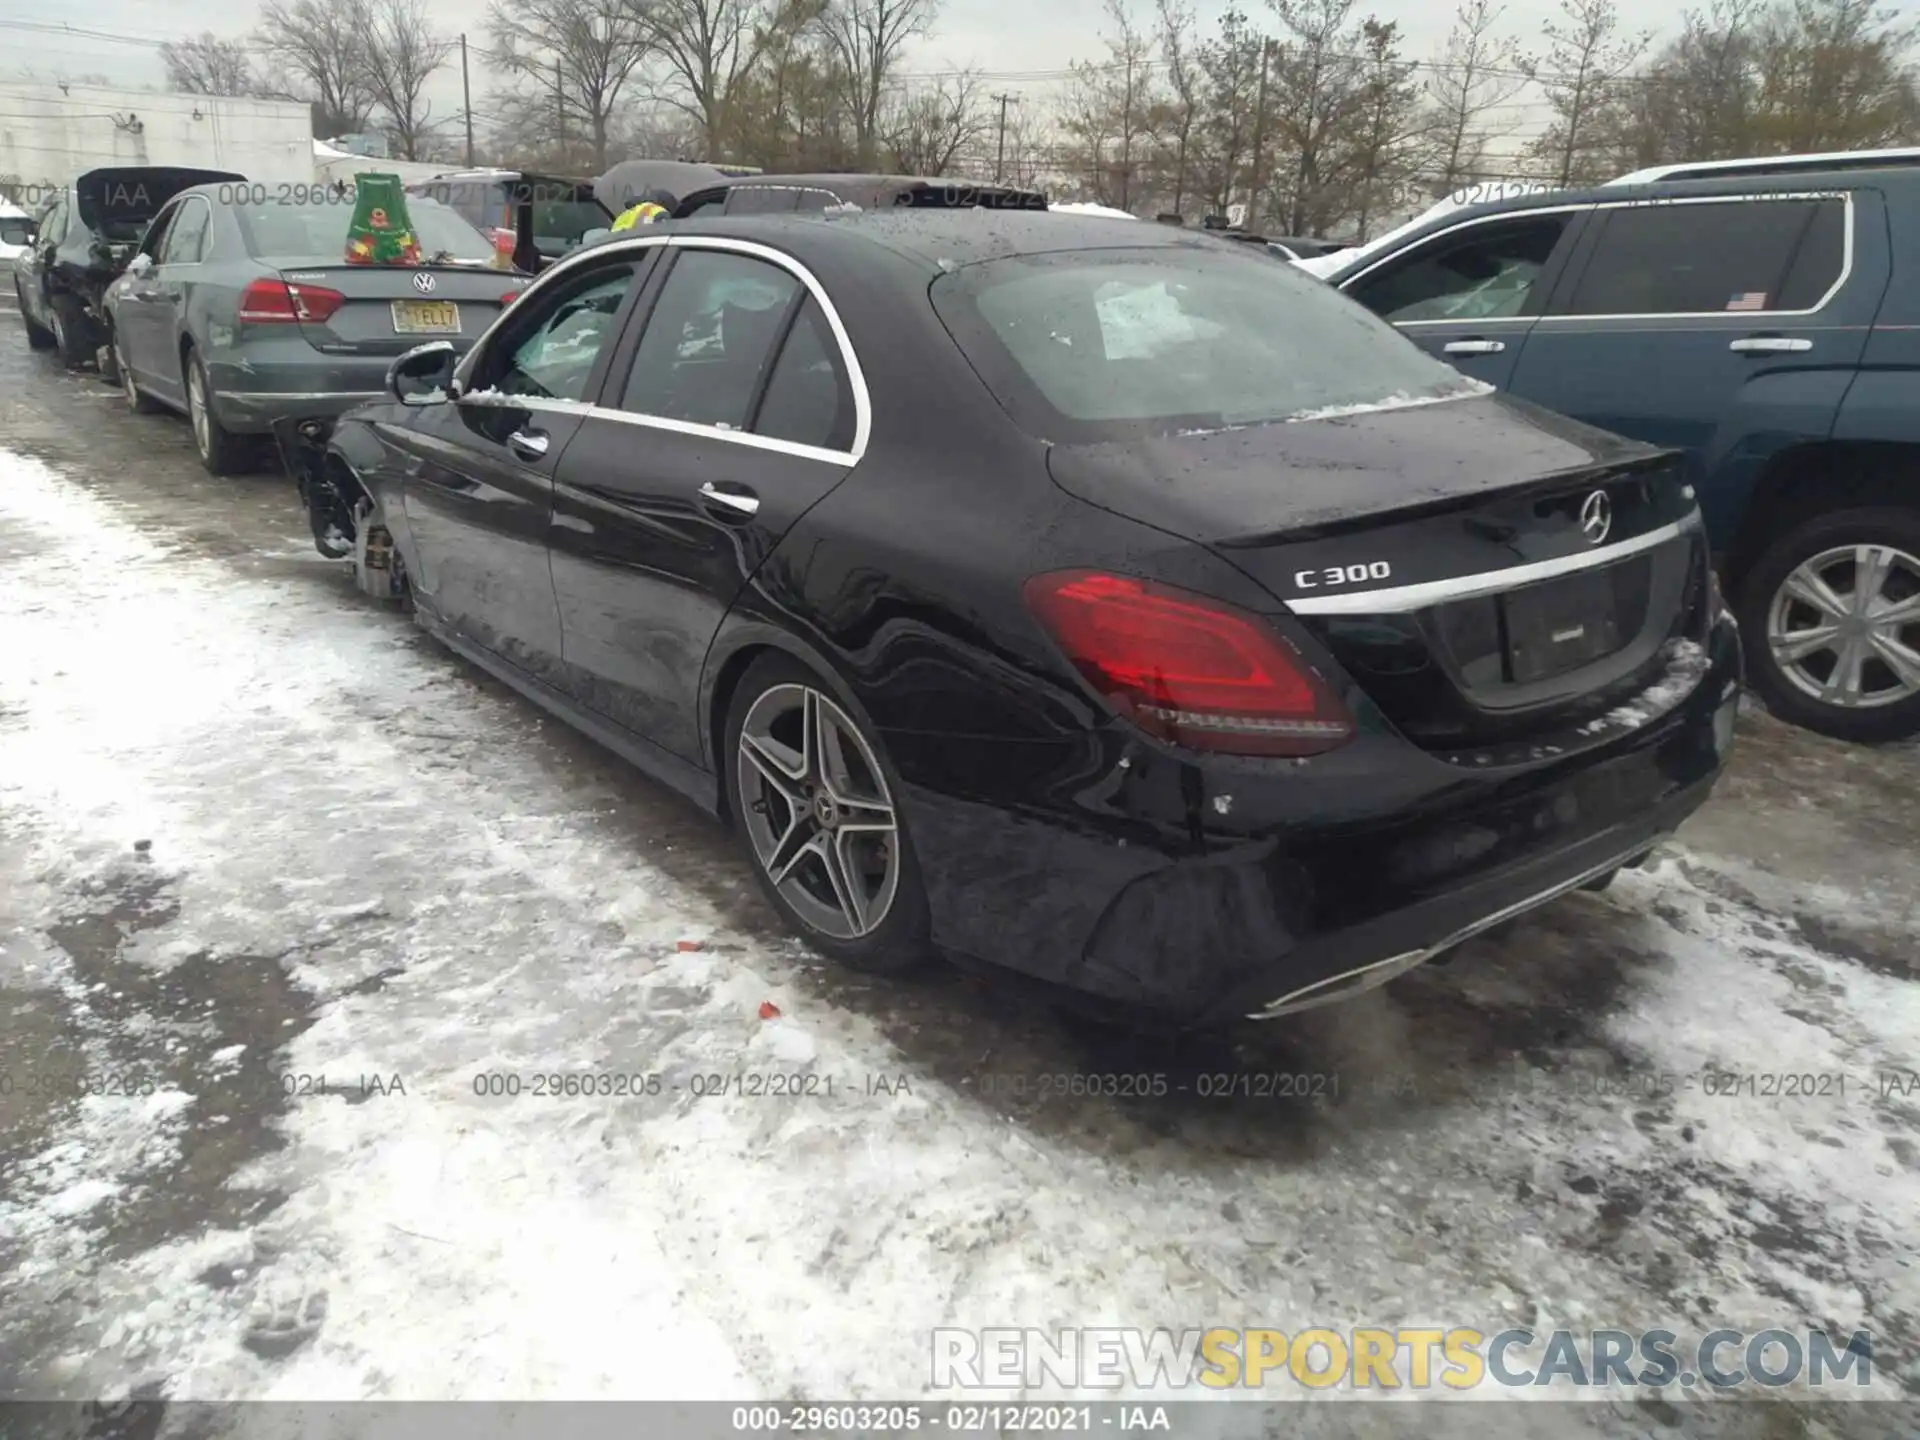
(1776, 165)
(936, 241)
(870, 191)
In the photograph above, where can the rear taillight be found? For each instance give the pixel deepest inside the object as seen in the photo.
(508, 298)
(275, 302)
(1189, 669)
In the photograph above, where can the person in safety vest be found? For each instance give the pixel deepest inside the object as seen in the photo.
(646, 212)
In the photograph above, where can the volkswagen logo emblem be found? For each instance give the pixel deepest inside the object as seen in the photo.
(423, 282)
(1596, 517)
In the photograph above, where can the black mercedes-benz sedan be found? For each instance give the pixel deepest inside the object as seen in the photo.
(1086, 598)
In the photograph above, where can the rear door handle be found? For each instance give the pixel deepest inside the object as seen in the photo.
(732, 499)
(528, 444)
(1474, 347)
(1770, 345)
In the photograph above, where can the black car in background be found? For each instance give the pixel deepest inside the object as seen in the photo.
(84, 237)
(1075, 595)
(1764, 321)
(531, 219)
(782, 194)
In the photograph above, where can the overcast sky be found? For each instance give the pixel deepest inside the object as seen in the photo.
(1011, 39)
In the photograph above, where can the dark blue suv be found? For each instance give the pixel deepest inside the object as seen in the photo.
(1764, 324)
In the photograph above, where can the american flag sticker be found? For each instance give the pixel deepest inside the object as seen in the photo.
(1748, 300)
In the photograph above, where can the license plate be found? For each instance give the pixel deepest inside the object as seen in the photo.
(1563, 624)
(426, 317)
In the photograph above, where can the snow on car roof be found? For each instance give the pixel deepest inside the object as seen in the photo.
(1089, 208)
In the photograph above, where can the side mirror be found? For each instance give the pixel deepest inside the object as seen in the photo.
(424, 375)
(140, 266)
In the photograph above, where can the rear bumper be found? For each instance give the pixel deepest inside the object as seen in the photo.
(1325, 886)
(250, 399)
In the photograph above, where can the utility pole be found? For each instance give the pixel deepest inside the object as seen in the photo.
(1000, 153)
(1259, 136)
(466, 99)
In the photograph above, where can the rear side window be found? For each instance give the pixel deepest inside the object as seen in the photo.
(1112, 344)
(1485, 272)
(1700, 258)
(709, 339)
(808, 399)
(187, 235)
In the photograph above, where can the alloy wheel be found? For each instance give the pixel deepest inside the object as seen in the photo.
(818, 812)
(1844, 626)
(197, 409)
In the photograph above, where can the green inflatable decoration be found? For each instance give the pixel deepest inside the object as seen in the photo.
(382, 231)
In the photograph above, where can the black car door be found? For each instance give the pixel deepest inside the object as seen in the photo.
(478, 484)
(737, 408)
(37, 264)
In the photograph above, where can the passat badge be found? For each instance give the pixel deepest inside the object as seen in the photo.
(423, 282)
(1596, 517)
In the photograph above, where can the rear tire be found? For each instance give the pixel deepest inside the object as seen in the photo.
(70, 332)
(38, 336)
(1822, 654)
(811, 781)
(220, 451)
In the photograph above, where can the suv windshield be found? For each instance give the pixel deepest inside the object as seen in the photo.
(1112, 343)
(319, 232)
(559, 224)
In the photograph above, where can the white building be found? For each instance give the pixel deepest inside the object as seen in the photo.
(50, 133)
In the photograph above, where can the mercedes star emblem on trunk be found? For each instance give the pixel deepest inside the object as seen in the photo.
(1596, 517)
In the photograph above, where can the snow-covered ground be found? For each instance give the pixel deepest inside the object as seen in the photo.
(293, 890)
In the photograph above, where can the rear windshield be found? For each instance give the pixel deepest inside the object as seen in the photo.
(319, 232)
(1083, 345)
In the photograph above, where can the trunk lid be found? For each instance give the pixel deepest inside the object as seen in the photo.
(386, 310)
(1451, 556)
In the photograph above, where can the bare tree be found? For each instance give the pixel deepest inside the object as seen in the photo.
(1232, 117)
(1389, 129)
(574, 59)
(1836, 75)
(1108, 109)
(403, 50)
(1586, 57)
(928, 129)
(1475, 74)
(1183, 102)
(865, 39)
(708, 47)
(1319, 95)
(317, 52)
(205, 64)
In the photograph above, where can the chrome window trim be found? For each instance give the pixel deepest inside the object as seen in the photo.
(1401, 599)
(1845, 197)
(606, 253)
(1846, 259)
